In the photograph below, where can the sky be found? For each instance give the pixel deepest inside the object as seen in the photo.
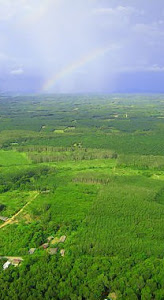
(82, 46)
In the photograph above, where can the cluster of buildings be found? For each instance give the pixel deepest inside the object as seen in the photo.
(51, 240)
(48, 245)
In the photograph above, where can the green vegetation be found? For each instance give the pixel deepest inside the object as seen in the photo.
(90, 169)
(12, 158)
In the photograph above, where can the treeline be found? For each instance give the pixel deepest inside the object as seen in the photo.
(92, 180)
(141, 162)
(39, 149)
(76, 155)
(23, 179)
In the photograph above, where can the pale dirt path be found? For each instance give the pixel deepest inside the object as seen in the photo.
(9, 221)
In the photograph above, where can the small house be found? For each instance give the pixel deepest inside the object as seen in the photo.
(6, 265)
(50, 238)
(55, 241)
(32, 250)
(62, 252)
(62, 239)
(52, 251)
(45, 246)
(16, 261)
(45, 191)
(4, 219)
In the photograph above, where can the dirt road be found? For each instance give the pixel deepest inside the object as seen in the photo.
(9, 221)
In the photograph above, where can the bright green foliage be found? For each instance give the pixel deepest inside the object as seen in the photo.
(12, 158)
(91, 169)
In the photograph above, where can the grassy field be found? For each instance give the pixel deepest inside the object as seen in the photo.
(12, 158)
(90, 168)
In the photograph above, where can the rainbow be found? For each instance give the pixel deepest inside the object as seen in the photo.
(74, 66)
